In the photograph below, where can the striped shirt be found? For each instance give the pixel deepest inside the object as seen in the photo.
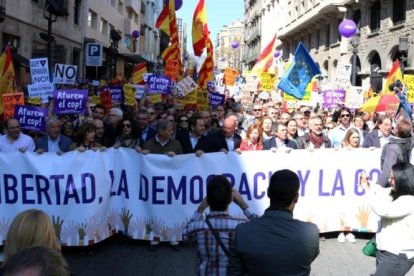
(211, 258)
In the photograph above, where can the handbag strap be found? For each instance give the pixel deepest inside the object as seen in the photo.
(216, 236)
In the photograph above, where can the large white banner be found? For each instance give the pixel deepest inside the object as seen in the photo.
(93, 195)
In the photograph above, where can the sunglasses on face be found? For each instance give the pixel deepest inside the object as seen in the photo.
(257, 110)
(183, 121)
(126, 125)
(345, 115)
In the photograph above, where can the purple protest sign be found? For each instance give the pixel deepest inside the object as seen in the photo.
(216, 99)
(159, 84)
(333, 97)
(31, 117)
(70, 101)
(117, 94)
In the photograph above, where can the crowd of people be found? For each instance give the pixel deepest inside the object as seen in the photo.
(174, 129)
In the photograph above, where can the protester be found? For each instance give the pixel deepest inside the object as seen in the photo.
(380, 135)
(315, 139)
(29, 228)
(284, 118)
(253, 139)
(36, 261)
(279, 140)
(257, 116)
(146, 132)
(212, 257)
(182, 123)
(98, 112)
(53, 141)
(114, 117)
(68, 129)
(221, 112)
(275, 244)
(226, 139)
(359, 124)
(85, 138)
(128, 134)
(14, 139)
(267, 127)
(292, 130)
(351, 139)
(193, 141)
(395, 207)
(206, 116)
(301, 123)
(100, 136)
(398, 149)
(337, 134)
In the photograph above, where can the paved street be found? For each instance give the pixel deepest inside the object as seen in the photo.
(122, 257)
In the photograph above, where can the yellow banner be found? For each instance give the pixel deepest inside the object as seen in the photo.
(306, 97)
(202, 100)
(267, 81)
(409, 82)
(34, 100)
(95, 99)
(190, 98)
(129, 94)
(156, 98)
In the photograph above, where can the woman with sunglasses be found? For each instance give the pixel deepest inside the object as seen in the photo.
(395, 207)
(128, 134)
(182, 123)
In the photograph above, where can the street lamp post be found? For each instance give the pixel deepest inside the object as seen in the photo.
(355, 44)
(115, 38)
(403, 48)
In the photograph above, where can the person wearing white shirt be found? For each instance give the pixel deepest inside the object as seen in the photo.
(14, 140)
(395, 207)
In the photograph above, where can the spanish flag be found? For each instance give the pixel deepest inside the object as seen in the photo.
(7, 75)
(140, 70)
(394, 74)
(206, 72)
(265, 60)
(163, 21)
(200, 29)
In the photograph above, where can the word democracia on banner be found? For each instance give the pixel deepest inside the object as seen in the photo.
(61, 189)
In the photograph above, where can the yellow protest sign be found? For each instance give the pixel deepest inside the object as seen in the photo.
(129, 94)
(9, 101)
(267, 81)
(202, 100)
(155, 98)
(230, 76)
(94, 99)
(409, 82)
(34, 100)
(306, 97)
(190, 98)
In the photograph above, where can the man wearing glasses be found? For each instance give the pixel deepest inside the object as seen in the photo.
(257, 115)
(337, 134)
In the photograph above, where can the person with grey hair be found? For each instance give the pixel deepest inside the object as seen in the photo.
(163, 142)
(113, 119)
(54, 141)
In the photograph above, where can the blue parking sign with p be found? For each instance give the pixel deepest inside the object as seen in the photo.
(93, 54)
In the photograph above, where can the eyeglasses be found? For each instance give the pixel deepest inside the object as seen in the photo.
(329, 128)
(126, 125)
(345, 115)
(151, 113)
(183, 121)
(180, 109)
(257, 110)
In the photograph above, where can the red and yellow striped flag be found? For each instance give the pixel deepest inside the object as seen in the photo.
(173, 52)
(140, 70)
(200, 28)
(265, 60)
(206, 72)
(163, 21)
(7, 75)
(394, 74)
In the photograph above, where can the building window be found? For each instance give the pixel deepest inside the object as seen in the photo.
(104, 27)
(375, 14)
(327, 36)
(398, 11)
(76, 11)
(356, 17)
(120, 8)
(92, 19)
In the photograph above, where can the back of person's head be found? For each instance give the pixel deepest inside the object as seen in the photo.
(219, 193)
(403, 129)
(283, 188)
(39, 261)
(403, 178)
(30, 228)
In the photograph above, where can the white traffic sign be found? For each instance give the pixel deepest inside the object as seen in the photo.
(94, 54)
(65, 73)
(39, 70)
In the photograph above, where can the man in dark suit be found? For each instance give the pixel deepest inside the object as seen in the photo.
(193, 141)
(226, 139)
(377, 138)
(275, 243)
(146, 132)
(53, 141)
(280, 140)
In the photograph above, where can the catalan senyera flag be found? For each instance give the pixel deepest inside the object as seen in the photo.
(173, 52)
(394, 74)
(265, 60)
(140, 70)
(7, 75)
(200, 29)
(206, 72)
(163, 20)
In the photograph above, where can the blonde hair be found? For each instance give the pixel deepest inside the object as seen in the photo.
(30, 228)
